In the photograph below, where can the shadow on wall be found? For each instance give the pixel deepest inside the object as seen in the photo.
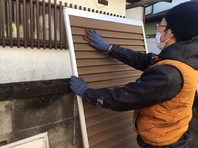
(41, 103)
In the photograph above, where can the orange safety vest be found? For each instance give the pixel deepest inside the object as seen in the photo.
(164, 123)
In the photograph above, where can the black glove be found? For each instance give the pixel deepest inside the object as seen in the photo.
(78, 85)
(96, 41)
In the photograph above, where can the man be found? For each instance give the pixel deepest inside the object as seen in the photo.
(163, 95)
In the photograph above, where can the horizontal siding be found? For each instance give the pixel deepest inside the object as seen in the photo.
(111, 34)
(118, 139)
(106, 128)
(104, 25)
(90, 55)
(109, 76)
(111, 133)
(111, 83)
(96, 62)
(94, 130)
(86, 47)
(103, 69)
(101, 118)
(125, 42)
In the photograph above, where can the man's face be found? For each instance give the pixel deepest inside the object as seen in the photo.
(162, 28)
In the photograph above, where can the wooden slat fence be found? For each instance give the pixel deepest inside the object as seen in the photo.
(32, 23)
(35, 23)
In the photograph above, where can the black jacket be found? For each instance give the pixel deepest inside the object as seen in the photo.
(156, 84)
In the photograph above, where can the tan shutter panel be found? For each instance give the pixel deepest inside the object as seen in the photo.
(106, 128)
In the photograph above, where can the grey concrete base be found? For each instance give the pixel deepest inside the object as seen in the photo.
(53, 109)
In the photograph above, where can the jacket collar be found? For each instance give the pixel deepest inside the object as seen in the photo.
(186, 52)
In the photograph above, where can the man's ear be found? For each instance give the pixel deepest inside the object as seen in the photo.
(170, 33)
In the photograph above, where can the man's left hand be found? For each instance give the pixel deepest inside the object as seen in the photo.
(78, 85)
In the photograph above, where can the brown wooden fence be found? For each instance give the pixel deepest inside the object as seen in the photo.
(35, 23)
(32, 23)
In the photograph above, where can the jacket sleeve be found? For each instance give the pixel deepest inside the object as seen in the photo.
(156, 84)
(135, 59)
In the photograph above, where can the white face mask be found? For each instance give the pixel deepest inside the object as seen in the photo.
(158, 42)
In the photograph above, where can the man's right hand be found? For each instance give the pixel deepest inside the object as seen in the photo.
(96, 41)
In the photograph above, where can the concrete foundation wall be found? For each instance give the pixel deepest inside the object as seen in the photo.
(38, 107)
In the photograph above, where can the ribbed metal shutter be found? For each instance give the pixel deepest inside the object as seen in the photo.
(106, 128)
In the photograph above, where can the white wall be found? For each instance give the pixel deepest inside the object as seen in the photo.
(19, 64)
(114, 6)
(135, 13)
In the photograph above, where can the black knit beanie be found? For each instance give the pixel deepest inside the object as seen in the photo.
(183, 20)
